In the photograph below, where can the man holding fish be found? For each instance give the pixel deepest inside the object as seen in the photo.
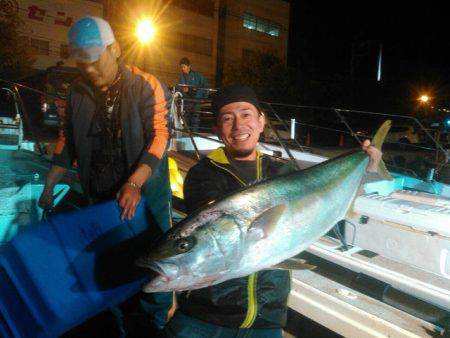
(232, 255)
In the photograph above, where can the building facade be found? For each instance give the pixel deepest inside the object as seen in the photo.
(46, 23)
(210, 33)
(184, 28)
(249, 26)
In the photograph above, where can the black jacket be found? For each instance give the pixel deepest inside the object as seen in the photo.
(256, 301)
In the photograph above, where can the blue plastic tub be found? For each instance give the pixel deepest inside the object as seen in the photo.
(61, 272)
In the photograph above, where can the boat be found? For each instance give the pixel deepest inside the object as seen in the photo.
(383, 271)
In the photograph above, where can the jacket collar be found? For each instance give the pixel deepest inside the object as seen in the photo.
(126, 73)
(219, 156)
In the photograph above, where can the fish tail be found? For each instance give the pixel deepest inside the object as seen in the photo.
(377, 141)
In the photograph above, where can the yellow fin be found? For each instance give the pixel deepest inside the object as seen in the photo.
(377, 142)
(383, 172)
(381, 133)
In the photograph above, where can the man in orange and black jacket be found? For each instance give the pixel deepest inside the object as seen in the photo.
(116, 128)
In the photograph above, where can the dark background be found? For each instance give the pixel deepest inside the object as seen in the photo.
(329, 38)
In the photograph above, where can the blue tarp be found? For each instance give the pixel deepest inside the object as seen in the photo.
(58, 273)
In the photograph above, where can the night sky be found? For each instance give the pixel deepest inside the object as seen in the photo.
(415, 40)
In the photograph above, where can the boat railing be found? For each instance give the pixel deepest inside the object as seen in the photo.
(414, 149)
(329, 131)
(17, 89)
(325, 131)
(11, 126)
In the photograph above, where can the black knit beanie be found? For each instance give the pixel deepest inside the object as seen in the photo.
(234, 93)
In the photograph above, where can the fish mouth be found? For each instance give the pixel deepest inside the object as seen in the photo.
(164, 271)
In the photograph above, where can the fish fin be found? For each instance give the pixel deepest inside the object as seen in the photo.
(381, 133)
(377, 141)
(294, 264)
(264, 224)
(383, 172)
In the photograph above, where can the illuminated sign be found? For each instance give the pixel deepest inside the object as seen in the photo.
(37, 13)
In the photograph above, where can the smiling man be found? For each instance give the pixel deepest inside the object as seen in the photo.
(255, 305)
(240, 124)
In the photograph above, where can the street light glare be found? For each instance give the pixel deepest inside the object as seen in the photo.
(424, 98)
(145, 31)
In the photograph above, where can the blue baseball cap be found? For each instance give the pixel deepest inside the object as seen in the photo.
(89, 37)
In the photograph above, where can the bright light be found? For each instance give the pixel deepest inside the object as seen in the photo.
(424, 98)
(145, 31)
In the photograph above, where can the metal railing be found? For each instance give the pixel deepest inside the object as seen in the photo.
(22, 109)
(305, 128)
(299, 127)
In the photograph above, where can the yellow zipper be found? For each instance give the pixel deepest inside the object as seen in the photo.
(252, 279)
(230, 172)
(252, 302)
(252, 309)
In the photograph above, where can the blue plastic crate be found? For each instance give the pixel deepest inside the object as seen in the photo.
(53, 268)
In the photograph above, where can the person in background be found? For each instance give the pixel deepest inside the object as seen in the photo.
(116, 129)
(255, 305)
(194, 84)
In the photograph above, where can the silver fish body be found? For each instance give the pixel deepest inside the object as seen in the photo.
(257, 227)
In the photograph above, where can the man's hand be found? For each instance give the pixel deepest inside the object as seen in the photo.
(46, 200)
(374, 156)
(129, 197)
(53, 177)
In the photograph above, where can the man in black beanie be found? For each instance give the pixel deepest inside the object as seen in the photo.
(257, 302)
(255, 305)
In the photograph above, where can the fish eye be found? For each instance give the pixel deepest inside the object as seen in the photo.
(184, 244)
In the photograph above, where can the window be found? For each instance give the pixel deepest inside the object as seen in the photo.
(274, 30)
(262, 25)
(40, 47)
(190, 43)
(249, 21)
(64, 51)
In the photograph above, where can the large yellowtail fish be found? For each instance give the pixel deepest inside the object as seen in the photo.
(259, 227)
